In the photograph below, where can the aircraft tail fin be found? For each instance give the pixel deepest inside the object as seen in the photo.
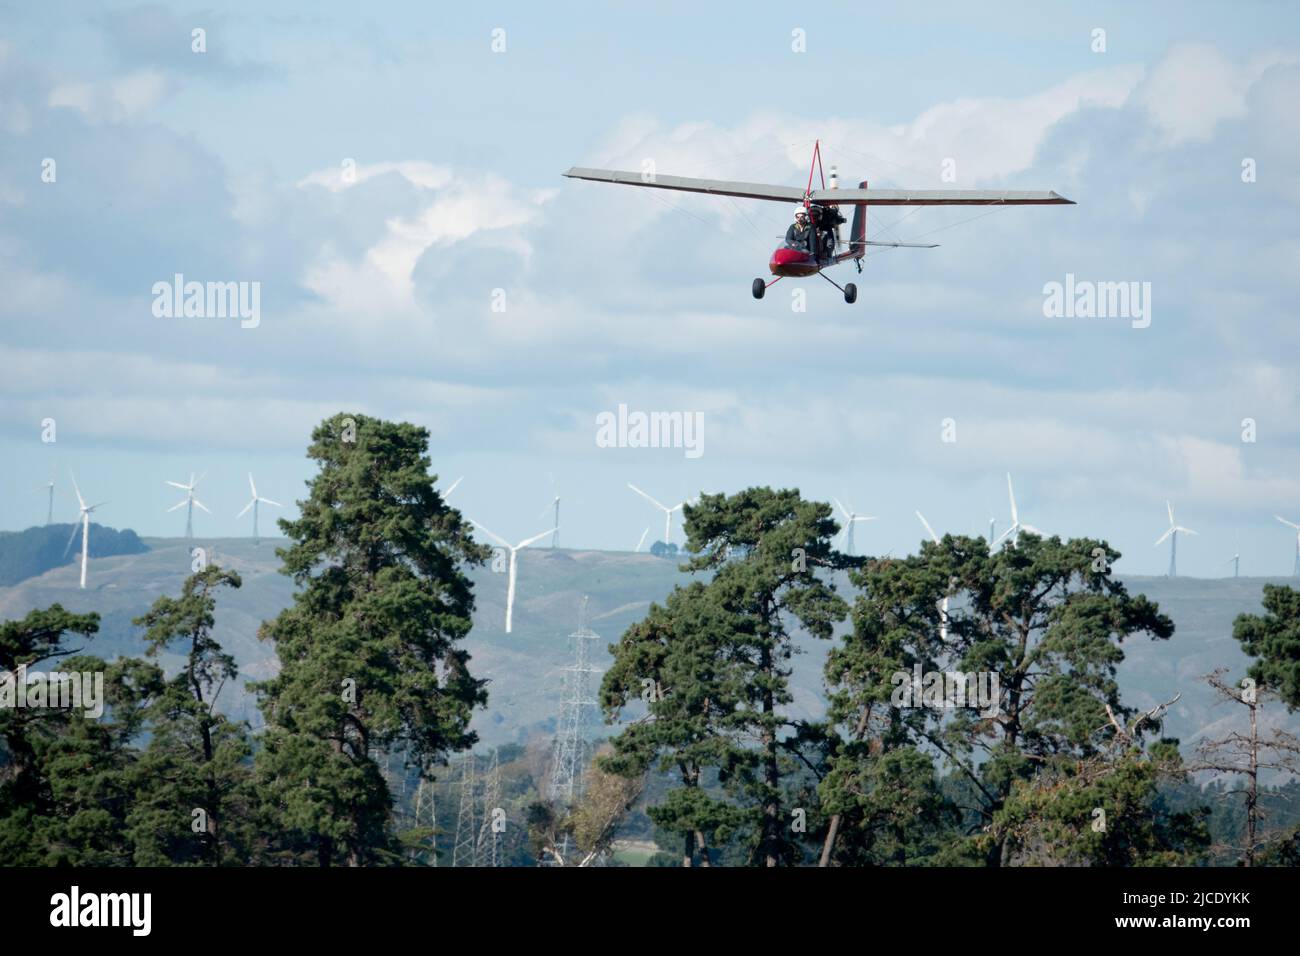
(858, 230)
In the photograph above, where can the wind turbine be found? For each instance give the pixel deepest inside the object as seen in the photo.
(668, 512)
(85, 528)
(1016, 525)
(850, 519)
(1172, 535)
(189, 500)
(49, 514)
(514, 551)
(253, 504)
(943, 607)
(1235, 561)
(1291, 524)
(642, 541)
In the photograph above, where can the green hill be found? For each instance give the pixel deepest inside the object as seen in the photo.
(524, 668)
(25, 554)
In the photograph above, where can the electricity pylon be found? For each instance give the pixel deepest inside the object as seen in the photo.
(487, 852)
(578, 708)
(463, 850)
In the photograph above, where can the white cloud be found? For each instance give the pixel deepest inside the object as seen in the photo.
(1194, 88)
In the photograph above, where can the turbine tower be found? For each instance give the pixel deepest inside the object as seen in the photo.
(188, 502)
(253, 503)
(850, 519)
(85, 528)
(1172, 535)
(462, 853)
(49, 513)
(943, 607)
(514, 553)
(668, 512)
(1016, 525)
(578, 711)
(1295, 571)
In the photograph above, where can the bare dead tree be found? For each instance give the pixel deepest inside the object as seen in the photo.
(1246, 755)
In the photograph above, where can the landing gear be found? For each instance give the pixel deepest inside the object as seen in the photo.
(849, 289)
(759, 288)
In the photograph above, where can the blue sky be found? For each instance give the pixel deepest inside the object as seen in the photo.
(377, 293)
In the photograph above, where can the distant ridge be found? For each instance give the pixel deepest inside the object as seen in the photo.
(26, 554)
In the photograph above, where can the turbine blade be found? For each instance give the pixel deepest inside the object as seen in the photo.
(177, 484)
(495, 537)
(252, 487)
(1010, 530)
(537, 537)
(1169, 506)
(839, 504)
(1289, 524)
(1163, 536)
(452, 486)
(180, 504)
(1011, 493)
(268, 501)
(1186, 530)
(930, 530)
(201, 505)
(71, 538)
(246, 507)
(80, 500)
(647, 497)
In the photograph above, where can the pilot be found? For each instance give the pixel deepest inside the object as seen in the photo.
(824, 221)
(801, 234)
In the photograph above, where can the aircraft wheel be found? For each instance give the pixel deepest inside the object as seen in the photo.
(759, 288)
(850, 293)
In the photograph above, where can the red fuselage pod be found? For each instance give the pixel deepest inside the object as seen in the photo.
(792, 262)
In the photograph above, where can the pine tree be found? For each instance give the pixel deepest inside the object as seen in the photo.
(369, 650)
(64, 790)
(676, 661)
(193, 797)
(1274, 639)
